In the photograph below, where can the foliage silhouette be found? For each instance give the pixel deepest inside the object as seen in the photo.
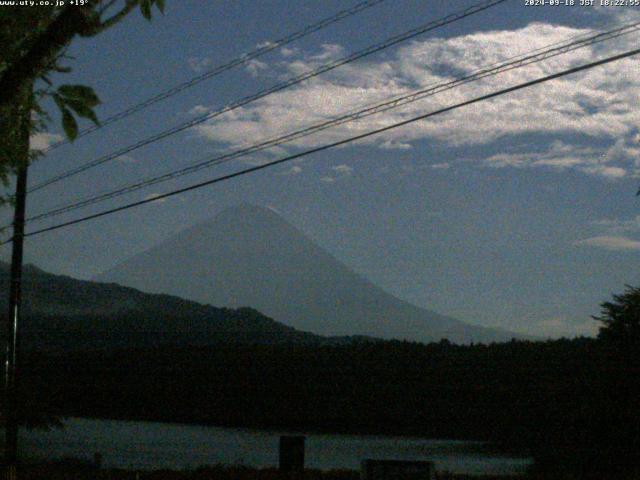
(34, 42)
(620, 319)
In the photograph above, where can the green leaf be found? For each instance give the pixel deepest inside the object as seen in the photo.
(81, 93)
(82, 110)
(69, 124)
(58, 68)
(59, 101)
(145, 8)
(160, 5)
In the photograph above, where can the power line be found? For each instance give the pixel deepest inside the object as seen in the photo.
(241, 60)
(338, 143)
(378, 108)
(276, 88)
(520, 61)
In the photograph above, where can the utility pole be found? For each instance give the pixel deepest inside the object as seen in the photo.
(13, 321)
(15, 290)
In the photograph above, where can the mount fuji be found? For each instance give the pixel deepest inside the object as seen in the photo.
(250, 256)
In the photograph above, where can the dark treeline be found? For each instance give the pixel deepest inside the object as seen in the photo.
(570, 403)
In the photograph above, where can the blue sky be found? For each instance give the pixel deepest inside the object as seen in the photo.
(519, 212)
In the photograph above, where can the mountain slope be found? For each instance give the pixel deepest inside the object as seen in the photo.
(250, 256)
(64, 313)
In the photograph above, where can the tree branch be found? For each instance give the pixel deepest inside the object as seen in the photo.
(106, 7)
(70, 22)
(130, 5)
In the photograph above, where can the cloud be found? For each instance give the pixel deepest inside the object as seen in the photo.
(614, 235)
(199, 110)
(43, 140)
(612, 243)
(199, 64)
(562, 156)
(288, 52)
(440, 166)
(254, 67)
(337, 172)
(598, 104)
(328, 51)
(619, 226)
(623, 149)
(607, 172)
(614, 13)
(126, 159)
(395, 145)
(265, 44)
(343, 169)
(295, 170)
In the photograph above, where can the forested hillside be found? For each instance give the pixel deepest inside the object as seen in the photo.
(62, 313)
(564, 401)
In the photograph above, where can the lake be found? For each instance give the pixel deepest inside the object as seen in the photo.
(148, 445)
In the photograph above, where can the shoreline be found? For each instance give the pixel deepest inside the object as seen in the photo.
(85, 470)
(129, 444)
(484, 445)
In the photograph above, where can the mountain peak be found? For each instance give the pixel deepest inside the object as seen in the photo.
(248, 209)
(247, 212)
(248, 255)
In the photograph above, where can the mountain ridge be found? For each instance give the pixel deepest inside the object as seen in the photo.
(61, 312)
(249, 255)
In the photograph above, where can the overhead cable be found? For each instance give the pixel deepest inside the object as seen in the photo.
(289, 158)
(515, 62)
(407, 35)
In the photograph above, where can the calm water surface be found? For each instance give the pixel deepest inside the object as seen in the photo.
(147, 445)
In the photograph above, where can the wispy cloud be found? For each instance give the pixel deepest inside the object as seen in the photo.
(614, 234)
(254, 67)
(199, 110)
(288, 52)
(294, 170)
(395, 145)
(605, 171)
(619, 226)
(599, 103)
(612, 243)
(343, 169)
(199, 64)
(561, 156)
(440, 166)
(267, 43)
(328, 51)
(337, 171)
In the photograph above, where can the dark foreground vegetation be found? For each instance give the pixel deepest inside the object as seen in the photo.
(567, 402)
(75, 469)
(80, 470)
(572, 404)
